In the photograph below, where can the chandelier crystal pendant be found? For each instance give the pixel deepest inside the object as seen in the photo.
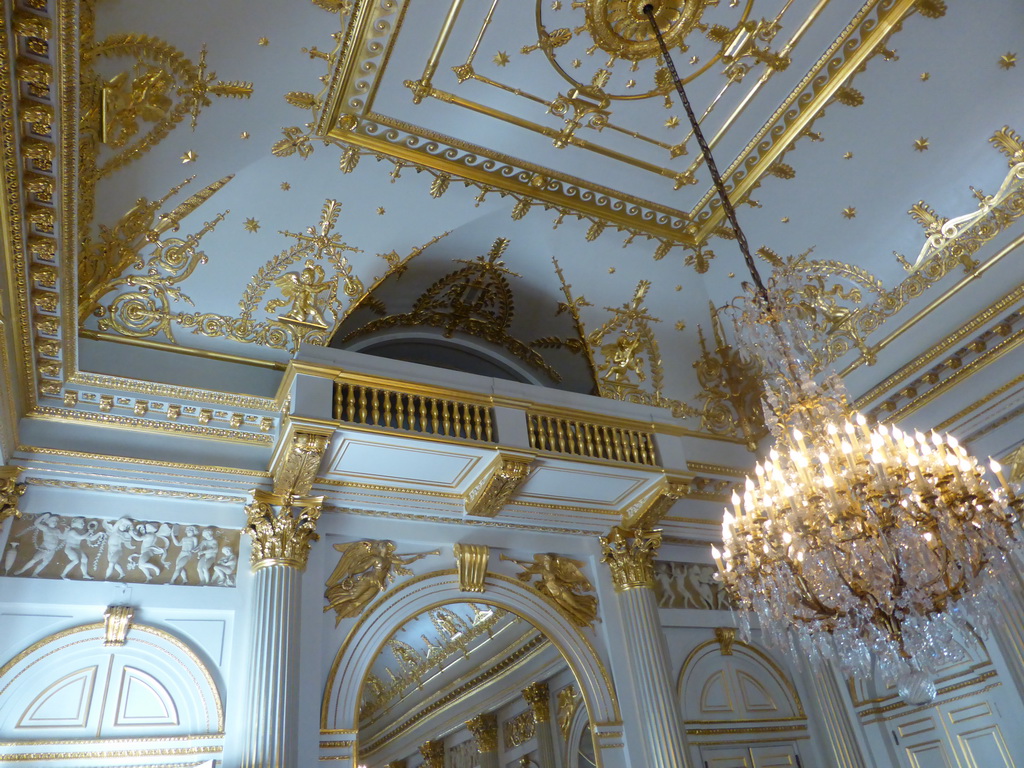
(859, 543)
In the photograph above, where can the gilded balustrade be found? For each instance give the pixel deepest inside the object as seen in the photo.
(558, 434)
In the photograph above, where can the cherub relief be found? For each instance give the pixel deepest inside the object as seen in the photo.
(121, 538)
(364, 571)
(224, 570)
(561, 579)
(303, 290)
(153, 541)
(206, 554)
(48, 537)
(75, 537)
(187, 547)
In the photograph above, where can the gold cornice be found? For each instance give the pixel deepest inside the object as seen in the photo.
(135, 490)
(224, 357)
(213, 468)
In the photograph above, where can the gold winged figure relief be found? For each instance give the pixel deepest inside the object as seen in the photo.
(363, 572)
(560, 579)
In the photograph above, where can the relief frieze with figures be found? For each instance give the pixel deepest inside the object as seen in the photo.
(52, 546)
(688, 585)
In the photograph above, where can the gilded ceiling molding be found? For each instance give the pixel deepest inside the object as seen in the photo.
(498, 485)
(484, 728)
(283, 528)
(561, 581)
(629, 554)
(951, 246)
(471, 560)
(117, 620)
(11, 492)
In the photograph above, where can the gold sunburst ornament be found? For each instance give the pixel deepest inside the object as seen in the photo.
(853, 542)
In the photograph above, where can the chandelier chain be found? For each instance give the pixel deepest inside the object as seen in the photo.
(716, 177)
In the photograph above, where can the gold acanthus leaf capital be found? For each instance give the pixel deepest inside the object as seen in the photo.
(538, 697)
(433, 754)
(10, 492)
(485, 731)
(283, 528)
(630, 556)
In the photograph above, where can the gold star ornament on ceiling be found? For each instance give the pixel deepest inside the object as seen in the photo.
(925, 76)
(501, 58)
(381, 211)
(1008, 60)
(921, 144)
(251, 225)
(189, 157)
(849, 212)
(847, 155)
(285, 186)
(263, 41)
(672, 122)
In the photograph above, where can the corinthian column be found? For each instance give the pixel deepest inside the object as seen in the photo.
(539, 699)
(630, 557)
(282, 525)
(432, 753)
(485, 731)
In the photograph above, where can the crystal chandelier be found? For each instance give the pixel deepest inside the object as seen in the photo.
(854, 542)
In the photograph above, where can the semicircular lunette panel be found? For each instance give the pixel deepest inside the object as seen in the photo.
(64, 703)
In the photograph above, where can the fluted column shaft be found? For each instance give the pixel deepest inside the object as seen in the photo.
(271, 711)
(836, 718)
(630, 556)
(282, 528)
(1009, 631)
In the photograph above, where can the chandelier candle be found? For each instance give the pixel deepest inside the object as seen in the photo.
(859, 543)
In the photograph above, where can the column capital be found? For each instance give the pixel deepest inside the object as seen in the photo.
(629, 553)
(485, 730)
(433, 754)
(10, 491)
(539, 699)
(282, 528)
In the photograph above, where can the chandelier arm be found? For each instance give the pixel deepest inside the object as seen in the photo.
(716, 177)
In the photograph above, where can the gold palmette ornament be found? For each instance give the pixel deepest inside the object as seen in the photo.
(854, 542)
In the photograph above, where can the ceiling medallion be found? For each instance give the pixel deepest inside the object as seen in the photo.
(620, 27)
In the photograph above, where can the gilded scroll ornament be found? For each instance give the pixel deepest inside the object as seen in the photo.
(283, 528)
(142, 304)
(10, 492)
(630, 556)
(561, 580)
(650, 509)
(472, 563)
(144, 102)
(730, 387)
(364, 571)
(500, 484)
(519, 729)
(484, 728)
(117, 620)
(568, 703)
(538, 697)
(51, 546)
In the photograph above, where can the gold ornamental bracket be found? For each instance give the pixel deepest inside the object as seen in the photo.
(499, 484)
(117, 620)
(653, 506)
(472, 563)
(10, 492)
(283, 528)
(297, 458)
(630, 556)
